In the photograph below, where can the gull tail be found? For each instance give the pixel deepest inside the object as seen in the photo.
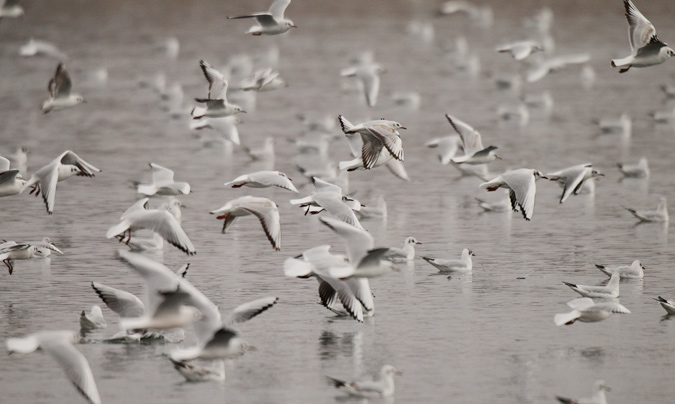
(566, 318)
(296, 268)
(350, 165)
(198, 112)
(621, 62)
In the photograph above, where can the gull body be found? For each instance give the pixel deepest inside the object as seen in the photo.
(264, 80)
(407, 253)
(381, 143)
(632, 271)
(554, 64)
(36, 47)
(573, 178)
(380, 388)
(265, 153)
(446, 147)
(10, 9)
(611, 290)
(225, 127)
(658, 215)
(369, 77)
(622, 125)
(520, 50)
(464, 264)
(588, 311)
(11, 181)
(59, 88)
(472, 142)
(216, 100)
(264, 209)
(334, 203)
(263, 179)
(639, 170)
(45, 248)
(522, 188)
(272, 22)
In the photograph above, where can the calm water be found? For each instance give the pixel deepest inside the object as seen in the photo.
(486, 337)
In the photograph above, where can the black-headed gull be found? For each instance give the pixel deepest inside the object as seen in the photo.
(622, 125)
(599, 388)
(499, 206)
(380, 388)
(611, 290)
(121, 302)
(668, 305)
(45, 247)
(482, 15)
(464, 264)
(10, 9)
(522, 186)
(163, 183)
(378, 211)
(59, 88)
(520, 50)
(264, 80)
(59, 345)
(216, 100)
(572, 178)
(407, 253)
(632, 271)
(264, 209)
(263, 179)
(11, 181)
(639, 170)
(164, 221)
(93, 320)
(272, 22)
(381, 143)
(474, 152)
(335, 203)
(10, 250)
(658, 215)
(66, 165)
(646, 49)
(586, 310)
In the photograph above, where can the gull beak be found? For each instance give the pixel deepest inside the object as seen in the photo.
(403, 127)
(418, 242)
(243, 112)
(546, 178)
(497, 157)
(473, 254)
(395, 269)
(398, 373)
(294, 26)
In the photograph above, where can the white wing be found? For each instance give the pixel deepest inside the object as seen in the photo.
(249, 310)
(69, 157)
(4, 164)
(268, 213)
(163, 223)
(523, 189)
(217, 82)
(161, 175)
(358, 241)
(278, 8)
(640, 30)
(332, 203)
(371, 85)
(123, 303)
(471, 139)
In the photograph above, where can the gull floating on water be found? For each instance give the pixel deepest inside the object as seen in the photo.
(611, 290)
(668, 305)
(59, 88)
(264, 209)
(407, 253)
(216, 106)
(66, 165)
(639, 170)
(573, 178)
(263, 179)
(163, 183)
(522, 186)
(383, 387)
(645, 47)
(465, 264)
(92, 321)
(658, 215)
(381, 143)
(599, 388)
(632, 271)
(474, 152)
(10, 250)
(520, 50)
(588, 311)
(271, 22)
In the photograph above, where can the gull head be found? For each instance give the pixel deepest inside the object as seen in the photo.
(538, 174)
(596, 173)
(238, 110)
(79, 99)
(667, 51)
(389, 370)
(412, 240)
(396, 125)
(290, 24)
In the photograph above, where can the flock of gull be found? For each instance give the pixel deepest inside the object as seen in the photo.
(171, 303)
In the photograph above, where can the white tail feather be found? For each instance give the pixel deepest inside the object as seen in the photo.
(564, 318)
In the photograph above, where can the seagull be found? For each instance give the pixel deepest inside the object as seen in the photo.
(611, 290)
(383, 387)
(514, 112)
(10, 250)
(163, 183)
(216, 100)
(407, 253)
(59, 92)
(271, 22)
(639, 170)
(622, 125)
(226, 127)
(668, 305)
(474, 152)
(37, 47)
(586, 310)
(162, 221)
(92, 321)
(123, 303)
(446, 146)
(66, 165)
(633, 271)
(658, 215)
(554, 64)
(462, 265)
(10, 9)
(45, 248)
(572, 178)
(520, 50)
(381, 143)
(522, 186)
(599, 388)
(645, 47)
(264, 209)
(11, 181)
(368, 75)
(263, 179)
(173, 311)
(264, 80)
(59, 345)
(330, 198)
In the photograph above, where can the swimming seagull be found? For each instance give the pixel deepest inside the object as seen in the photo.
(383, 387)
(522, 186)
(66, 165)
(632, 271)
(474, 152)
(163, 183)
(271, 22)
(465, 264)
(93, 320)
(161, 220)
(264, 209)
(599, 388)
(572, 178)
(520, 50)
(407, 253)
(10, 9)
(10, 250)
(668, 305)
(611, 290)
(11, 181)
(59, 88)
(263, 179)
(586, 310)
(658, 215)
(639, 170)
(381, 143)
(216, 100)
(645, 47)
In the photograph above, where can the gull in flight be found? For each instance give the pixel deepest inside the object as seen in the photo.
(225, 127)
(66, 165)
(474, 152)
(173, 311)
(632, 271)
(11, 181)
(10, 9)
(522, 188)
(381, 143)
(599, 388)
(59, 88)
(263, 179)
(646, 49)
(10, 250)
(658, 215)
(554, 64)
(446, 146)
(520, 50)
(271, 22)
(383, 387)
(92, 321)
(264, 209)
(264, 80)
(668, 305)
(59, 345)
(407, 253)
(164, 221)
(464, 264)
(216, 100)
(611, 290)
(584, 309)
(368, 75)
(163, 183)
(329, 197)
(639, 170)
(572, 179)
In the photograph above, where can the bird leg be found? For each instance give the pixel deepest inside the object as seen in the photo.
(35, 188)
(10, 267)
(625, 69)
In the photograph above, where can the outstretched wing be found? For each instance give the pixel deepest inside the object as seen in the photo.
(640, 29)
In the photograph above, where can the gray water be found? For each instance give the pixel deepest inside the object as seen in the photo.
(485, 337)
